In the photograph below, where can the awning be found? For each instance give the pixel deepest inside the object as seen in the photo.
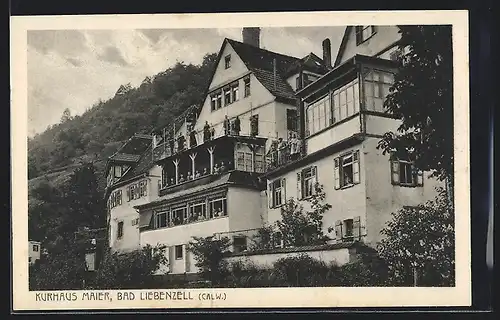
(145, 219)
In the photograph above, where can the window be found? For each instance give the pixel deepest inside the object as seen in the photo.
(118, 172)
(405, 174)
(217, 207)
(179, 215)
(216, 100)
(244, 161)
(135, 221)
(346, 170)
(291, 120)
(318, 115)
(227, 61)
(35, 248)
(345, 101)
(239, 243)
(235, 91)
(227, 96)
(259, 162)
(115, 199)
(120, 230)
(363, 33)
(376, 85)
(137, 190)
(297, 83)
(161, 219)
(348, 230)
(309, 78)
(246, 81)
(198, 211)
(164, 177)
(306, 180)
(277, 195)
(178, 252)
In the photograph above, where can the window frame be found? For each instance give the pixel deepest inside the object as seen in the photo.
(338, 170)
(395, 169)
(176, 252)
(275, 186)
(120, 229)
(211, 211)
(360, 36)
(247, 86)
(227, 61)
(301, 182)
(313, 110)
(35, 248)
(245, 245)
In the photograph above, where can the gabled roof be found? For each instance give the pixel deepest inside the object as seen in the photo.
(130, 151)
(345, 37)
(311, 63)
(145, 163)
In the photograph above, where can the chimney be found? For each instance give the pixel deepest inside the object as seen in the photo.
(327, 53)
(251, 36)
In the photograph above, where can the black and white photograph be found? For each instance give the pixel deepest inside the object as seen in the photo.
(181, 164)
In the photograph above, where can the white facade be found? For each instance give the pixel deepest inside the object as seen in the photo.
(34, 250)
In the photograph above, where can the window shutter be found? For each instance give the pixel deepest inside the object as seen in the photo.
(187, 263)
(338, 230)
(355, 167)
(299, 185)
(145, 187)
(128, 193)
(119, 197)
(336, 173)
(283, 191)
(270, 195)
(356, 228)
(315, 179)
(395, 172)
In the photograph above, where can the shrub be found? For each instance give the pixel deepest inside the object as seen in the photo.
(209, 254)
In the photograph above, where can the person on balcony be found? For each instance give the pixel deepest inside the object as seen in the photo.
(227, 126)
(181, 142)
(237, 126)
(171, 143)
(216, 169)
(281, 150)
(192, 139)
(197, 174)
(205, 171)
(181, 178)
(212, 133)
(222, 167)
(294, 145)
(172, 181)
(189, 176)
(206, 132)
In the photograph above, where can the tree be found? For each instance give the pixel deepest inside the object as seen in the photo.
(132, 270)
(209, 253)
(66, 116)
(422, 97)
(298, 226)
(419, 244)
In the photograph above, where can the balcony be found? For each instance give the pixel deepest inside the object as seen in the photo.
(288, 152)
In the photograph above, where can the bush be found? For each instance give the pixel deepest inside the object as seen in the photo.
(133, 270)
(209, 254)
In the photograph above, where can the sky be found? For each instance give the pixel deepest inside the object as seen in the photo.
(75, 68)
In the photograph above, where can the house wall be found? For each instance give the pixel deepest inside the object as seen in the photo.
(126, 213)
(292, 81)
(34, 255)
(333, 134)
(338, 256)
(346, 203)
(244, 207)
(383, 38)
(376, 125)
(382, 197)
(182, 235)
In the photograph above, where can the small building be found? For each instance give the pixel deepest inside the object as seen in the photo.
(34, 250)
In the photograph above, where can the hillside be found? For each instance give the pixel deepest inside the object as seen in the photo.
(101, 130)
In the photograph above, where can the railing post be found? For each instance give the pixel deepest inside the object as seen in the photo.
(211, 152)
(193, 156)
(176, 164)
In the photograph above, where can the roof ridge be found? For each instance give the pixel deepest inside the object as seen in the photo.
(262, 49)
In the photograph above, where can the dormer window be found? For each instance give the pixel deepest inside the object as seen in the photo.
(363, 33)
(227, 61)
(118, 172)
